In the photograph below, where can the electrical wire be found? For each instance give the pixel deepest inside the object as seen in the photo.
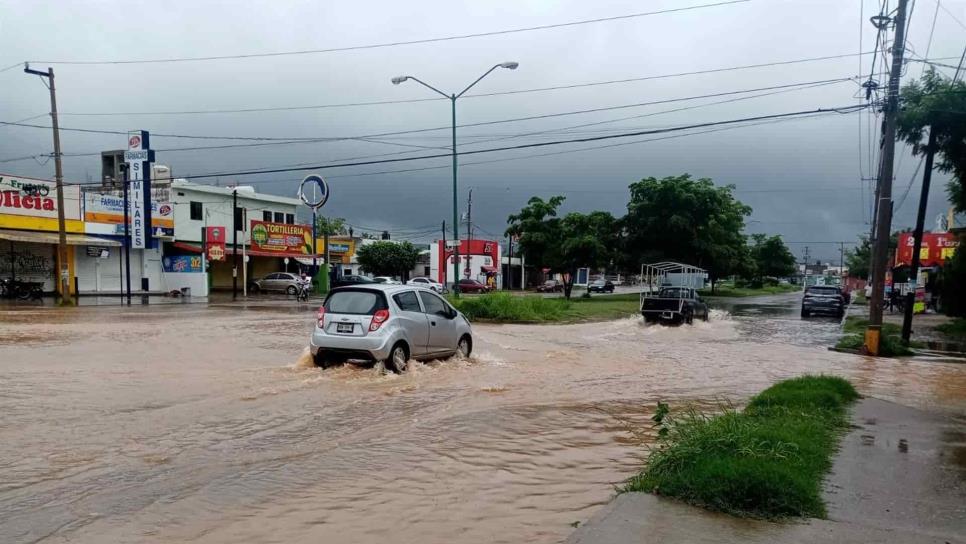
(843, 109)
(481, 95)
(397, 43)
(290, 140)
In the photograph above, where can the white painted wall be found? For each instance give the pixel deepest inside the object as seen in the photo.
(217, 205)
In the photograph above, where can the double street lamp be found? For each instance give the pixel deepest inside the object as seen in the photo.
(452, 97)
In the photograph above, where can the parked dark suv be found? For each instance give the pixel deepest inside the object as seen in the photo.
(823, 299)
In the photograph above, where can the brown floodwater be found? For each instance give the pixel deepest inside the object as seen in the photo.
(196, 423)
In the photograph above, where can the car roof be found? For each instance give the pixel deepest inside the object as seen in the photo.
(384, 287)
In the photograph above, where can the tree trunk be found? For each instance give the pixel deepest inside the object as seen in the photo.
(568, 285)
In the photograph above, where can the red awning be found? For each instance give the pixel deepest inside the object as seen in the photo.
(489, 269)
(187, 247)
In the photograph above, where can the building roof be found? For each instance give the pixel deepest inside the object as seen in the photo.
(183, 184)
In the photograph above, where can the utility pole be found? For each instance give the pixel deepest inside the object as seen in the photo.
(127, 234)
(234, 243)
(442, 264)
(917, 245)
(63, 269)
(842, 260)
(469, 227)
(883, 223)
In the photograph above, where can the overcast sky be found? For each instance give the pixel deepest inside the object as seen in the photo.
(802, 177)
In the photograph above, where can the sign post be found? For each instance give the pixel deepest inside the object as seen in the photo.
(320, 194)
(139, 158)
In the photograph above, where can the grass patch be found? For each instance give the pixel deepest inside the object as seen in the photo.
(955, 328)
(728, 290)
(766, 461)
(504, 307)
(890, 344)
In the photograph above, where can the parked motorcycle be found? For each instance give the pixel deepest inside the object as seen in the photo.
(20, 290)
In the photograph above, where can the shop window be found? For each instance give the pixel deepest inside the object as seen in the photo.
(267, 216)
(279, 217)
(426, 271)
(197, 211)
(290, 218)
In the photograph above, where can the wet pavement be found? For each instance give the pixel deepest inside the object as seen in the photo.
(202, 423)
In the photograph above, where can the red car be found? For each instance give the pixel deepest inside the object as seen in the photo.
(550, 286)
(473, 286)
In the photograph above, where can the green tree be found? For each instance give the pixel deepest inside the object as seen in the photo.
(858, 258)
(937, 102)
(386, 258)
(771, 257)
(689, 220)
(563, 244)
(952, 285)
(333, 226)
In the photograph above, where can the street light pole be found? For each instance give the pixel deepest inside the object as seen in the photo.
(63, 269)
(452, 98)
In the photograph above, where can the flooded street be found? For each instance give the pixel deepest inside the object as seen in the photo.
(196, 423)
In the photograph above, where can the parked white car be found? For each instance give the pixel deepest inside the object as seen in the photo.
(390, 324)
(386, 280)
(428, 283)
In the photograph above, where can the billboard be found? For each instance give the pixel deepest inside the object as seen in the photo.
(281, 239)
(109, 208)
(36, 197)
(936, 248)
(181, 263)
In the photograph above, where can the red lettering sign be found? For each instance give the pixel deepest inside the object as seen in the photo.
(215, 243)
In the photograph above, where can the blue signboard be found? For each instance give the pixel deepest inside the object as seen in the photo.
(181, 263)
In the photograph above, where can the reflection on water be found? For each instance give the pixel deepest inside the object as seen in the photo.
(200, 424)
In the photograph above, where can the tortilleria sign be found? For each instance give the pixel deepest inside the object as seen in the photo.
(36, 197)
(281, 239)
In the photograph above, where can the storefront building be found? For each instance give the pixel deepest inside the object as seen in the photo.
(479, 260)
(196, 207)
(29, 232)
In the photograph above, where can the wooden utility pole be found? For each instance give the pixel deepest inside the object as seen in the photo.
(883, 220)
(63, 280)
(917, 246)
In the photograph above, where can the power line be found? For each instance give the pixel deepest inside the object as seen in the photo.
(290, 140)
(844, 109)
(563, 129)
(481, 95)
(537, 155)
(396, 43)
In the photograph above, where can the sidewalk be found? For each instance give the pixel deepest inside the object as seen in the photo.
(900, 477)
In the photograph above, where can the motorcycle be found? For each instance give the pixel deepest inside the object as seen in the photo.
(21, 290)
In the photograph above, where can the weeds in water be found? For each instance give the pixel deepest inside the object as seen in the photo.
(766, 461)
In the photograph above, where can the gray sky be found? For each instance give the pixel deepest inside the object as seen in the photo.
(802, 177)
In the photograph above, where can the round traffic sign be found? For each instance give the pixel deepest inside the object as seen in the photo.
(314, 200)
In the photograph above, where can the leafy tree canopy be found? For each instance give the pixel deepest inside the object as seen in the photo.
(688, 220)
(333, 226)
(771, 257)
(564, 244)
(386, 258)
(937, 102)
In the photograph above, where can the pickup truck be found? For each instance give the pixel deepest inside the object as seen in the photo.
(673, 305)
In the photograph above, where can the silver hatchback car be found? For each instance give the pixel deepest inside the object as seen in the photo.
(388, 323)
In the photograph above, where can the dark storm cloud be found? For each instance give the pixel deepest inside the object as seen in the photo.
(801, 176)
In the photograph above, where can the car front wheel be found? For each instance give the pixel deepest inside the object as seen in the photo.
(291, 289)
(465, 346)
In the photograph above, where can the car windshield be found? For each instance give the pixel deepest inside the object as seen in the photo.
(354, 302)
(823, 291)
(598, 282)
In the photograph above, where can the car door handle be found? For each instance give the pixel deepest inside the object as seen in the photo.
(433, 323)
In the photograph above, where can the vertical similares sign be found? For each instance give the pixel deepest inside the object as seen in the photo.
(139, 158)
